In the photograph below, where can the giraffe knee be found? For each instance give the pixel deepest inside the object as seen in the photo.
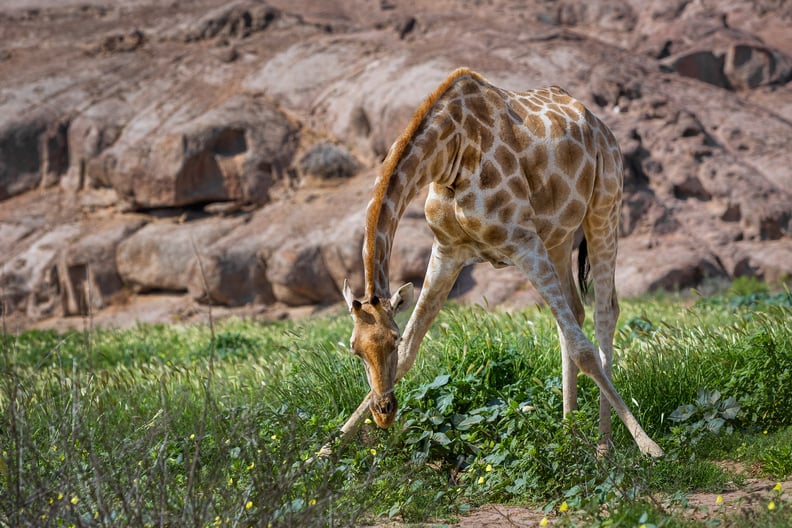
(586, 357)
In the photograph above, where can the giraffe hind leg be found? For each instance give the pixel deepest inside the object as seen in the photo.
(560, 257)
(602, 243)
(532, 258)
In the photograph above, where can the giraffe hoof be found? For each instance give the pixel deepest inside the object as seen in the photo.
(652, 449)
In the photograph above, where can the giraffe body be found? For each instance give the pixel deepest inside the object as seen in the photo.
(512, 176)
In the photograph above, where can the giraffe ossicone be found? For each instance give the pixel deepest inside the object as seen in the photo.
(512, 177)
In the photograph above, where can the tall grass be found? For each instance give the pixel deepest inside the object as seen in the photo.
(213, 426)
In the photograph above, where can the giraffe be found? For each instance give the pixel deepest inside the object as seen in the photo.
(512, 177)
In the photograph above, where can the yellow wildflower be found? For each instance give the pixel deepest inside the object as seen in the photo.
(251, 466)
(719, 499)
(777, 487)
(543, 522)
(248, 505)
(771, 505)
(373, 451)
(367, 421)
(74, 500)
(192, 436)
(312, 502)
(489, 467)
(481, 480)
(274, 437)
(564, 507)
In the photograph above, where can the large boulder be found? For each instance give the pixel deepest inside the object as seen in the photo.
(769, 261)
(675, 262)
(87, 266)
(158, 256)
(311, 269)
(236, 150)
(32, 150)
(230, 274)
(29, 281)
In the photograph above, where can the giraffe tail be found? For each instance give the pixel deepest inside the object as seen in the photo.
(584, 267)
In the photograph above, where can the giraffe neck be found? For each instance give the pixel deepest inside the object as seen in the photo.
(430, 154)
(428, 150)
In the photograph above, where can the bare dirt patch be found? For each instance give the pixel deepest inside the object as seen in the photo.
(732, 507)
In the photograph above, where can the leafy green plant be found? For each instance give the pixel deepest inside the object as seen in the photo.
(777, 461)
(706, 417)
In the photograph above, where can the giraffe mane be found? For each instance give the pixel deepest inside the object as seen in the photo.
(394, 156)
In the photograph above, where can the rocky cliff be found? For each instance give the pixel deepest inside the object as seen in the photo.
(156, 158)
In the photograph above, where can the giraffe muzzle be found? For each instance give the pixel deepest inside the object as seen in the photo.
(383, 409)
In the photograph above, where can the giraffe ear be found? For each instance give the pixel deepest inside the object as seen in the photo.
(402, 297)
(352, 303)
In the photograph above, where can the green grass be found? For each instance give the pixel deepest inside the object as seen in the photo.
(194, 425)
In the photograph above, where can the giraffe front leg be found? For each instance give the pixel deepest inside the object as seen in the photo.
(441, 274)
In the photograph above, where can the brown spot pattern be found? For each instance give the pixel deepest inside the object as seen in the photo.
(495, 235)
(438, 164)
(409, 164)
(461, 184)
(535, 163)
(585, 181)
(479, 108)
(558, 124)
(467, 201)
(548, 197)
(486, 139)
(472, 127)
(506, 213)
(568, 156)
(490, 177)
(455, 110)
(470, 158)
(532, 104)
(495, 202)
(396, 187)
(469, 86)
(575, 210)
(506, 160)
(430, 136)
(536, 125)
(474, 224)
(574, 131)
(518, 186)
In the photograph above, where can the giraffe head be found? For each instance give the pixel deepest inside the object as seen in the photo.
(375, 339)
